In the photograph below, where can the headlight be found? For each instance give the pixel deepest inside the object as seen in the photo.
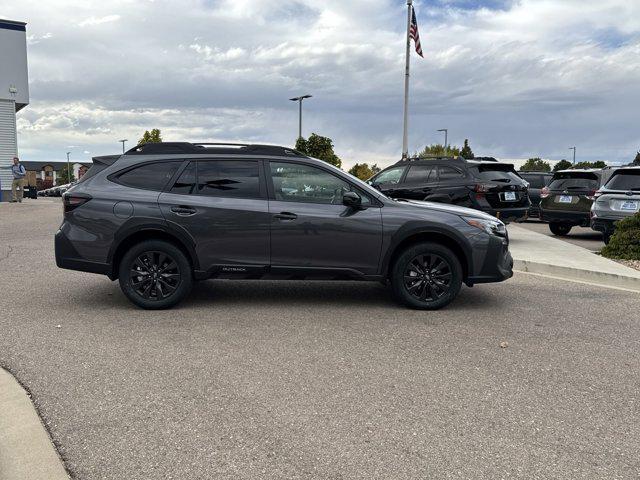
(492, 227)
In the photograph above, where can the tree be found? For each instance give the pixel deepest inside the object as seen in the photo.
(439, 150)
(598, 164)
(153, 136)
(535, 165)
(62, 176)
(363, 171)
(466, 151)
(319, 147)
(562, 165)
(637, 160)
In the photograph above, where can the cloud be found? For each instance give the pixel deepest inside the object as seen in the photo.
(518, 78)
(98, 20)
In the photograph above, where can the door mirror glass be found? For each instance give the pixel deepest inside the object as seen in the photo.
(352, 200)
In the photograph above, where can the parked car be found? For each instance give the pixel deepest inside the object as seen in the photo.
(566, 201)
(617, 199)
(163, 215)
(488, 186)
(537, 181)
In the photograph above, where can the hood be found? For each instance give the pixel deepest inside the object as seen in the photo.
(443, 207)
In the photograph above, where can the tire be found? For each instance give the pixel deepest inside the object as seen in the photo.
(560, 229)
(606, 237)
(426, 292)
(167, 277)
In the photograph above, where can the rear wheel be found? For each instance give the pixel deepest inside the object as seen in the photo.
(155, 275)
(560, 229)
(426, 276)
(606, 237)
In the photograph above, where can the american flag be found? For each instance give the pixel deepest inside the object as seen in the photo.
(413, 32)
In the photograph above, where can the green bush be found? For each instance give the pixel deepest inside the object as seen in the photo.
(625, 242)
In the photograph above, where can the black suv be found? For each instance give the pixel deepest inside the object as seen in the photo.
(163, 215)
(486, 185)
(537, 181)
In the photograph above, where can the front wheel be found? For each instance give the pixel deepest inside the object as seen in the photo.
(560, 229)
(426, 276)
(155, 275)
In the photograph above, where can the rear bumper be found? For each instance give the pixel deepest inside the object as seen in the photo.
(509, 214)
(582, 219)
(68, 258)
(497, 265)
(603, 225)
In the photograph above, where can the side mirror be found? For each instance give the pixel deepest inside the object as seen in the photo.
(352, 200)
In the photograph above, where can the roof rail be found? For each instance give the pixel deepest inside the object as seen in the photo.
(433, 157)
(171, 148)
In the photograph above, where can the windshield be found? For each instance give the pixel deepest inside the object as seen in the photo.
(625, 180)
(498, 173)
(575, 181)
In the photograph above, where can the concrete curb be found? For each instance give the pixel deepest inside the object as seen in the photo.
(26, 451)
(602, 279)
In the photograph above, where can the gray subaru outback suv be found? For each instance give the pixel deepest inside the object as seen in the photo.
(163, 215)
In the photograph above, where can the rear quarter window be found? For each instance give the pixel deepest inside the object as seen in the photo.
(150, 176)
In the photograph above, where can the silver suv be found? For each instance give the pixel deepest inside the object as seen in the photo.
(618, 199)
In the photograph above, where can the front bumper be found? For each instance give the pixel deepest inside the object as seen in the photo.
(497, 265)
(67, 257)
(582, 219)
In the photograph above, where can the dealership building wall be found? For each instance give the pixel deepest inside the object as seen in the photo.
(14, 94)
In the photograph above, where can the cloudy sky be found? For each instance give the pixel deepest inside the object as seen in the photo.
(518, 78)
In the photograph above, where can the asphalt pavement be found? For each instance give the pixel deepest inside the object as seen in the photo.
(582, 236)
(532, 378)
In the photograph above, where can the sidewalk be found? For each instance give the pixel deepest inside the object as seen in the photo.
(537, 253)
(26, 451)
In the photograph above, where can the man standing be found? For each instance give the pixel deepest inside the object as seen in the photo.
(17, 186)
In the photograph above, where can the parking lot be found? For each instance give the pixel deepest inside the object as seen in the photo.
(531, 378)
(584, 237)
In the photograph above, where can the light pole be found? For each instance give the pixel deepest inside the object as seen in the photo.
(68, 168)
(446, 139)
(123, 141)
(574, 154)
(299, 100)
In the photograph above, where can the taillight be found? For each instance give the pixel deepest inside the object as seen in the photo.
(71, 202)
(544, 193)
(483, 187)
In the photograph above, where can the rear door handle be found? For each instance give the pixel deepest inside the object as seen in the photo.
(286, 216)
(183, 211)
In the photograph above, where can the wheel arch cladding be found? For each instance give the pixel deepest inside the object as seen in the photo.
(444, 239)
(135, 237)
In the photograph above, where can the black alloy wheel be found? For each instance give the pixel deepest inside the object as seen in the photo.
(154, 276)
(428, 277)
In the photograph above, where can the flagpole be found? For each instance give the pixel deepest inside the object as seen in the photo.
(405, 135)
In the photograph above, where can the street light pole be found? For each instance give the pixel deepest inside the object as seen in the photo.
(446, 139)
(123, 141)
(299, 100)
(68, 168)
(574, 154)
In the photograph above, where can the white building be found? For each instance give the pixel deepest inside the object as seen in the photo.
(14, 94)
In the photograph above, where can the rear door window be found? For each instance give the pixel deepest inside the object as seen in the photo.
(421, 174)
(449, 173)
(186, 182)
(229, 178)
(625, 180)
(150, 176)
(575, 181)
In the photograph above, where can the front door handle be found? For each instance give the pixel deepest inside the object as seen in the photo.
(183, 211)
(286, 216)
